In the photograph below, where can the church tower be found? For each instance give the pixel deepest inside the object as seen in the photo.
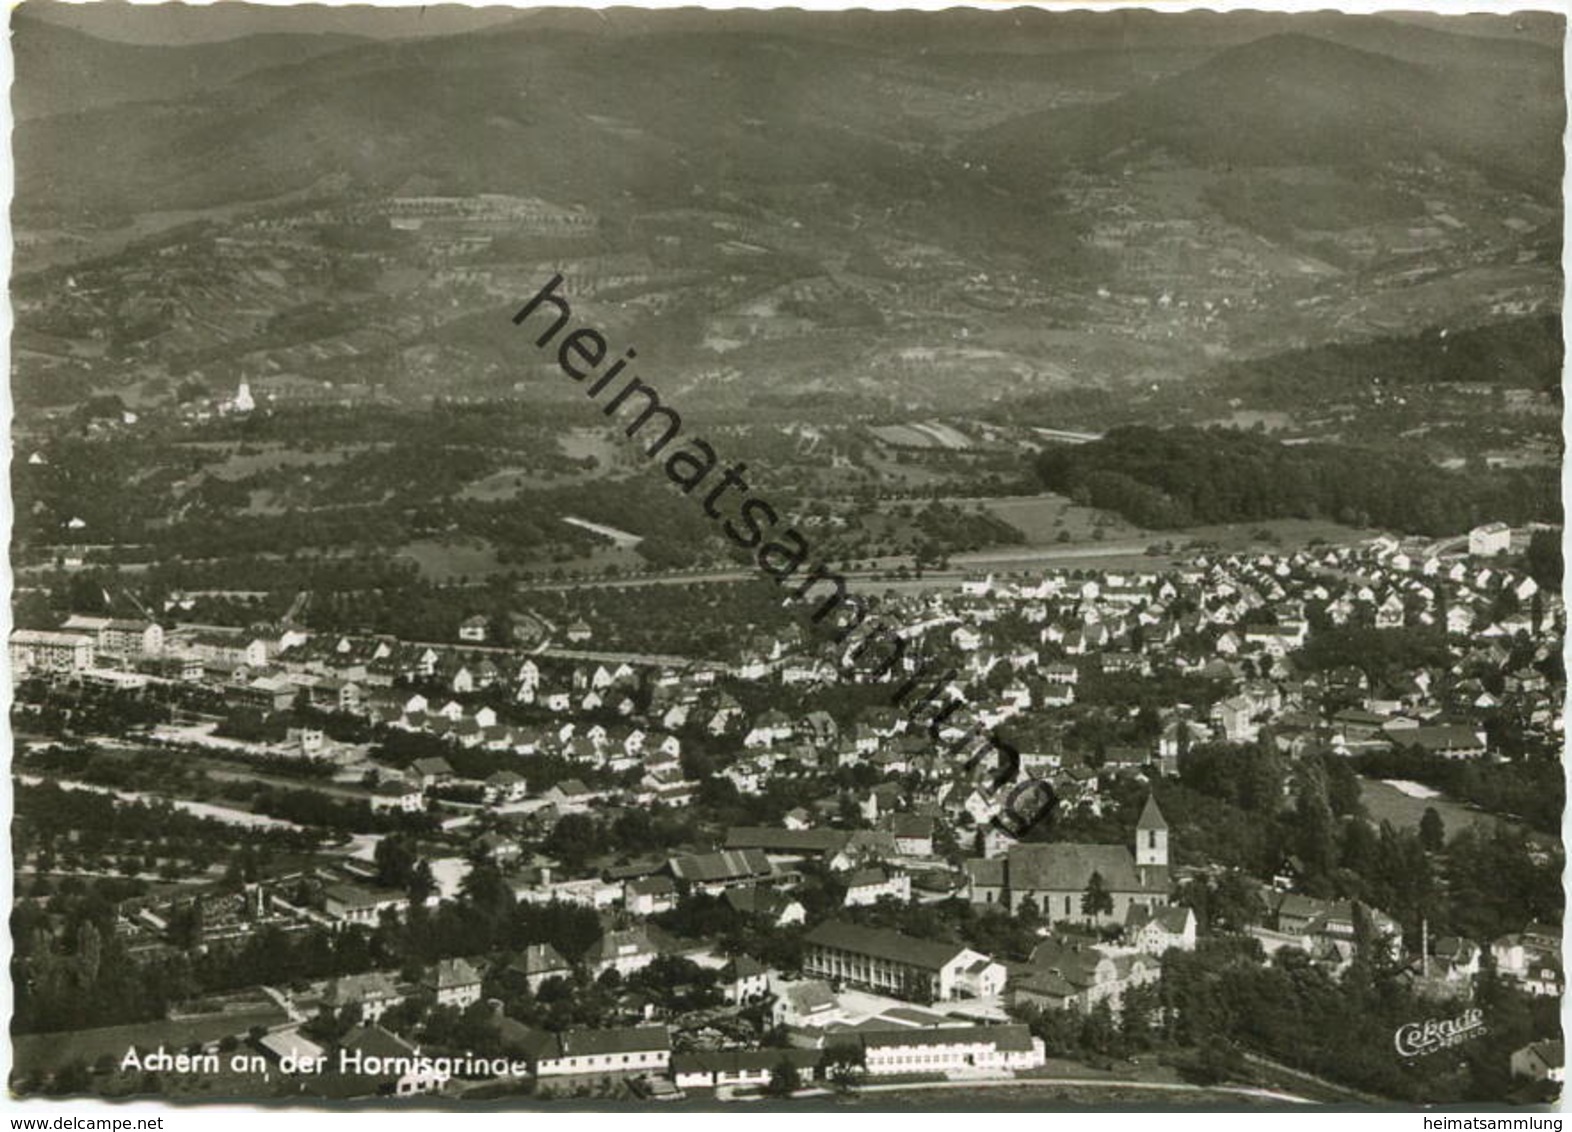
(1151, 836)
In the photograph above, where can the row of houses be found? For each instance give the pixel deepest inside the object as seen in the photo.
(635, 1052)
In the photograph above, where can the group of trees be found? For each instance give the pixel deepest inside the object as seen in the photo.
(1523, 352)
(70, 968)
(578, 838)
(57, 827)
(1341, 1026)
(1382, 655)
(1168, 478)
(1244, 808)
(1530, 789)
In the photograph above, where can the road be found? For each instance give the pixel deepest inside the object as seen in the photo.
(1044, 554)
(1089, 1083)
(1341, 1091)
(646, 659)
(1066, 436)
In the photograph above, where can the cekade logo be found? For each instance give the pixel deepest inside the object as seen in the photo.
(1415, 1039)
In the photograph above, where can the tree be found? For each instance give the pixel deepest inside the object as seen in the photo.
(421, 884)
(1343, 788)
(918, 988)
(1097, 900)
(1027, 911)
(1543, 558)
(1432, 831)
(844, 1066)
(395, 862)
(574, 839)
(784, 1078)
(1314, 827)
(486, 890)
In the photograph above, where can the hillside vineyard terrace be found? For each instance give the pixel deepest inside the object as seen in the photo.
(752, 523)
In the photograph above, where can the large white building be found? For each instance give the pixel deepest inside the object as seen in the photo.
(118, 636)
(953, 1048)
(902, 965)
(36, 650)
(1490, 539)
(634, 1049)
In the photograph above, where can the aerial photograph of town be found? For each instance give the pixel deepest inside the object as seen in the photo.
(837, 559)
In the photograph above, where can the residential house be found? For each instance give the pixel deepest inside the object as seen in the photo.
(624, 951)
(805, 1003)
(454, 982)
(537, 963)
(429, 772)
(372, 1045)
(913, 834)
(869, 886)
(1155, 930)
(744, 980)
(400, 797)
(1077, 976)
(647, 896)
(768, 903)
(375, 993)
(353, 904)
(1540, 1061)
(504, 787)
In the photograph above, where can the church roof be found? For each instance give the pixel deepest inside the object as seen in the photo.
(1151, 816)
(1063, 867)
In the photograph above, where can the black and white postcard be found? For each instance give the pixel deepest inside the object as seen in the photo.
(660, 558)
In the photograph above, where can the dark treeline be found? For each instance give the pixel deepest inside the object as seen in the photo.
(1167, 478)
(70, 969)
(1519, 352)
(1341, 1027)
(1383, 655)
(1229, 807)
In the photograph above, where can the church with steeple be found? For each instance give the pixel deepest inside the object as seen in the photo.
(1055, 876)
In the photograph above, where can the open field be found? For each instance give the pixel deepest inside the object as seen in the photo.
(231, 464)
(1046, 519)
(447, 561)
(894, 473)
(1290, 534)
(596, 444)
(1387, 803)
(509, 483)
(1050, 520)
